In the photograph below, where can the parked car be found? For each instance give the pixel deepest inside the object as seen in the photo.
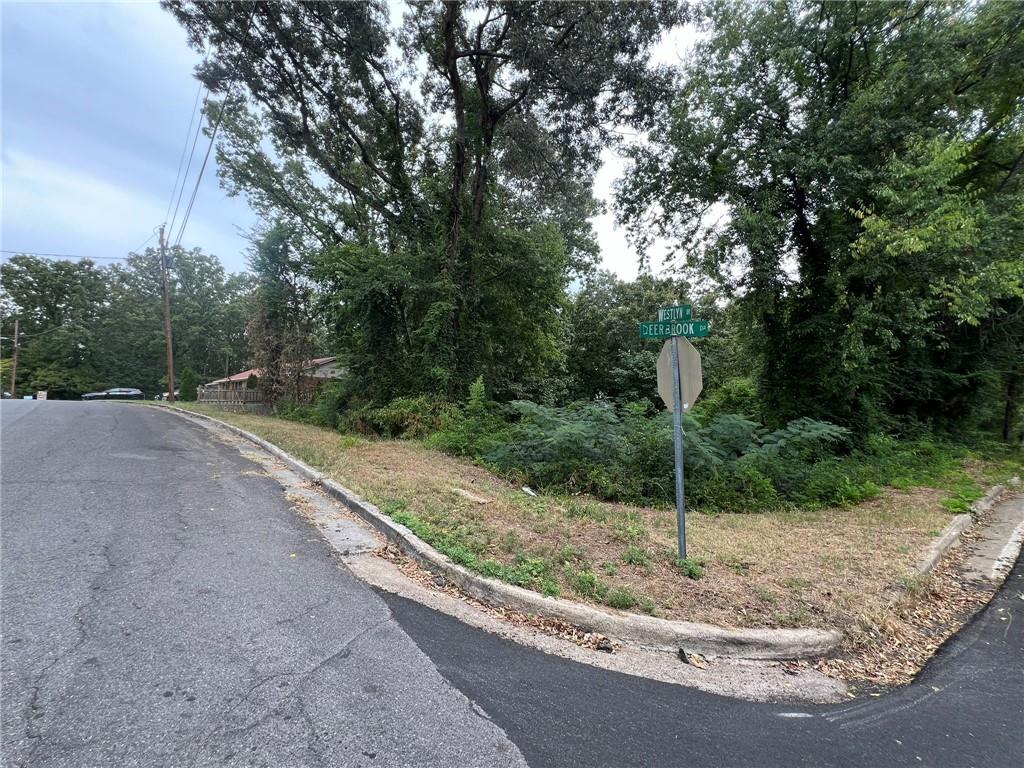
(116, 393)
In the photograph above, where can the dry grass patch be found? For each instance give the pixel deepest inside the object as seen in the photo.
(821, 568)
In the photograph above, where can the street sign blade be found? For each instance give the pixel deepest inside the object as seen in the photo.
(678, 312)
(695, 329)
(668, 328)
(655, 330)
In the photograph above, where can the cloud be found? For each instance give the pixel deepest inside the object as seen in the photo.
(52, 207)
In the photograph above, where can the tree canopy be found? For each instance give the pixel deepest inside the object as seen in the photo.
(851, 173)
(838, 185)
(437, 173)
(84, 327)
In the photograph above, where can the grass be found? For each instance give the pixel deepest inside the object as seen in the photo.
(793, 567)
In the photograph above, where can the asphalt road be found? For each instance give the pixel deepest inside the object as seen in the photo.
(163, 607)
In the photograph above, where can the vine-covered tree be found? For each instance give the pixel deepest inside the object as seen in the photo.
(280, 328)
(443, 194)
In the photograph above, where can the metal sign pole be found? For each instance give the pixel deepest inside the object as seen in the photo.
(678, 434)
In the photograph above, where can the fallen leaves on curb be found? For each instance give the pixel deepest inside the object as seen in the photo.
(550, 626)
(890, 647)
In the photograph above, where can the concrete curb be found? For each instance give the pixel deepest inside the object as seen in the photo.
(951, 535)
(984, 504)
(940, 546)
(645, 631)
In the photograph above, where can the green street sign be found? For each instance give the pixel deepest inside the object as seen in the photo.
(679, 312)
(663, 330)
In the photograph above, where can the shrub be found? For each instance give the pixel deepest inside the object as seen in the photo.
(732, 463)
(636, 556)
(586, 583)
(735, 396)
(835, 482)
(472, 431)
(621, 597)
(325, 411)
(407, 417)
(329, 403)
(737, 488)
(647, 453)
(188, 385)
(575, 448)
(692, 569)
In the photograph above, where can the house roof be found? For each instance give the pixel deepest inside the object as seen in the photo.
(236, 377)
(316, 362)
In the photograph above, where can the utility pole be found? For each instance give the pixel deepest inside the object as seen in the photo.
(167, 318)
(14, 362)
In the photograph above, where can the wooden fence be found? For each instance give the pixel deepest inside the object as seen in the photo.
(229, 396)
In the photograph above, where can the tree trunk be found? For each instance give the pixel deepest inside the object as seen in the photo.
(451, 19)
(1010, 409)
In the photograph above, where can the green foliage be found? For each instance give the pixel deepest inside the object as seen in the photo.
(531, 572)
(627, 453)
(586, 583)
(326, 410)
(691, 568)
(84, 327)
(737, 395)
(279, 332)
(60, 382)
(471, 431)
(561, 447)
(868, 158)
(636, 556)
(443, 230)
(622, 598)
(577, 509)
(408, 417)
(605, 357)
(188, 385)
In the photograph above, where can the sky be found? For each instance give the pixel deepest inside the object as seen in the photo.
(96, 101)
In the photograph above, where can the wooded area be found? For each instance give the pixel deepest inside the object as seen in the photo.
(840, 185)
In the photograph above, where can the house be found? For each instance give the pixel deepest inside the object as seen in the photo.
(236, 388)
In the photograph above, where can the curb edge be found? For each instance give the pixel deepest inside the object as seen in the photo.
(645, 631)
(951, 535)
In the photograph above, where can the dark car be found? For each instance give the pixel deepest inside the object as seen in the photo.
(117, 393)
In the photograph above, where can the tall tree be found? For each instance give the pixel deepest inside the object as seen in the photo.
(418, 209)
(280, 329)
(59, 306)
(866, 158)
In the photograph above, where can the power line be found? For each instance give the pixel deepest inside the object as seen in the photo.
(181, 160)
(213, 136)
(38, 254)
(188, 166)
(199, 178)
(139, 247)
